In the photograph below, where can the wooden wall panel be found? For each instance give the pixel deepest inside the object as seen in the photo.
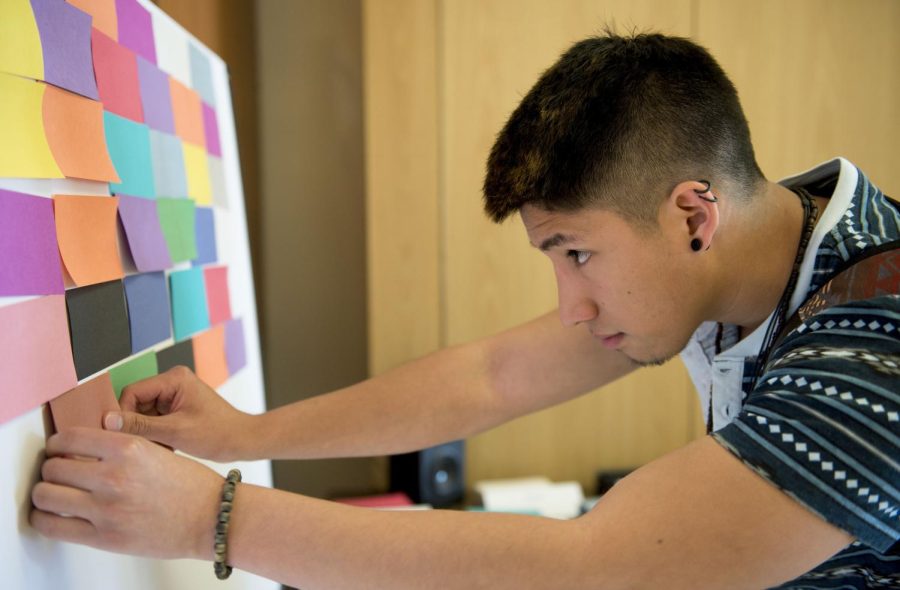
(313, 182)
(401, 179)
(817, 79)
(490, 55)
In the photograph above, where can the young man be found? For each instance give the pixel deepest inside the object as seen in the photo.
(631, 165)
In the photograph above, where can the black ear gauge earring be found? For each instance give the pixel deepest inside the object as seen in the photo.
(696, 244)
(701, 193)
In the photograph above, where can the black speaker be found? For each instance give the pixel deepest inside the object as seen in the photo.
(431, 476)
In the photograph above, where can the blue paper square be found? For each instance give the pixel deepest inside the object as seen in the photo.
(205, 234)
(148, 309)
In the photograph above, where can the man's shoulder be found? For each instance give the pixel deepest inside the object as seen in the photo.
(869, 219)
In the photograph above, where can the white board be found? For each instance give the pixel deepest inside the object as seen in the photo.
(32, 562)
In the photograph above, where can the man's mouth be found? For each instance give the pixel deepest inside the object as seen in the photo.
(610, 340)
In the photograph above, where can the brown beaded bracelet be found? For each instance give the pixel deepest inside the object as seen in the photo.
(223, 570)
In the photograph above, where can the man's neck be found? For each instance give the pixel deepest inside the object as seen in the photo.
(759, 251)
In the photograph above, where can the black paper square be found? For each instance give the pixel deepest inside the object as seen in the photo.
(98, 322)
(181, 353)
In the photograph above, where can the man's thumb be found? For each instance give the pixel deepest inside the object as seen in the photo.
(131, 423)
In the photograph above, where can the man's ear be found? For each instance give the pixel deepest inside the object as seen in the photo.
(692, 210)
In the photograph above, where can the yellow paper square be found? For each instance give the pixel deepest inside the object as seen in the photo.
(24, 151)
(20, 49)
(197, 172)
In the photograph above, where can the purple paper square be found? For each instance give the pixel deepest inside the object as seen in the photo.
(145, 237)
(155, 97)
(29, 255)
(211, 128)
(136, 29)
(235, 348)
(65, 35)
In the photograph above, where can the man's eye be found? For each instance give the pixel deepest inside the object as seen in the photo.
(579, 256)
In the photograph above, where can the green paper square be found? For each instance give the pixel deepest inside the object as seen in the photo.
(176, 217)
(140, 367)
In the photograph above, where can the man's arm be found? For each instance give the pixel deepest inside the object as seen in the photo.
(696, 518)
(448, 395)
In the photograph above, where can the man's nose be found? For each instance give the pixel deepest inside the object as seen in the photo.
(575, 304)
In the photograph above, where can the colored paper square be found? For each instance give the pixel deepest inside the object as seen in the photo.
(66, 40)
(205, 231)
(168, 165)
(29, 258)
(98, 320)
(177, 219)
(187, 112)
(189, 312)
(132, 371)
(180, 354)
(129, 148)
(201, 74)
(74, 128)
(218, 186)
(24, 151)
(144, 234)
(171, 48)
(117, 77)
(136, 29)
(197, 171)
(235, 346)
(155, 98)
(211, 130)
(35, 355)
(103, 13)
(20, 52)
(84, 405)
(149, 314)
(217, 298)
(86, 233)
(209, 356)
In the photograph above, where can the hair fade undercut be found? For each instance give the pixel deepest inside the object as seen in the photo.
(616, 121)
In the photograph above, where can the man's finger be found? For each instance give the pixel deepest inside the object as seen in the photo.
(85, 442)
(151, 393)
(152, 427)
(74, 473)
(58, 499)
(63, 528)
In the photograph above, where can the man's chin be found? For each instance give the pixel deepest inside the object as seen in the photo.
(652, 362)
(648, 359)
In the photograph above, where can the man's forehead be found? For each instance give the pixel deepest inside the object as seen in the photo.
(551, 228)
(537, 218)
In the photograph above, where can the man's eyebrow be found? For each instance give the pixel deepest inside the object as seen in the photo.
(555, 240)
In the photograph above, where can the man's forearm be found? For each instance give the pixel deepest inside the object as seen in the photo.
(441, 397)
(310, 543)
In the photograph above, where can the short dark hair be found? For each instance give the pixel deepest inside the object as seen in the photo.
(615, 121)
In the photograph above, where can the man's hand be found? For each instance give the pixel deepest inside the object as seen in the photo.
(179, 410)
(121, 493)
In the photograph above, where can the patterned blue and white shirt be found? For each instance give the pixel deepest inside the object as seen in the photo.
(822, 422)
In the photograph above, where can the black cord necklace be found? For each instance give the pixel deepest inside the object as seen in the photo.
(779, 316)
(810, 214)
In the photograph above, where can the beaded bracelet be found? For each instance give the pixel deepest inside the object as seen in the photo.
(222, 569)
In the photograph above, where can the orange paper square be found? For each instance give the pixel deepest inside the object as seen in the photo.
(187, 112)
(74, 129)
(87, 235)
(104, 13)
(209, 356)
